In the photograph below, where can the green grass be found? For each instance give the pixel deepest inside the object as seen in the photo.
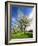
(21, 35)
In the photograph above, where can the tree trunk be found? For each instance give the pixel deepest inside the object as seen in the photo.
(21, 28)
(24, 28)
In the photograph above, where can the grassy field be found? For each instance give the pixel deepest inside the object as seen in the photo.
(20, 35)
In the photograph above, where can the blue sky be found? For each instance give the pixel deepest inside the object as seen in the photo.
(15, 10)
(25, 10)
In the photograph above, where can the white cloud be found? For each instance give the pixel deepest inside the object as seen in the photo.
(13, 19)
(31, 15)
